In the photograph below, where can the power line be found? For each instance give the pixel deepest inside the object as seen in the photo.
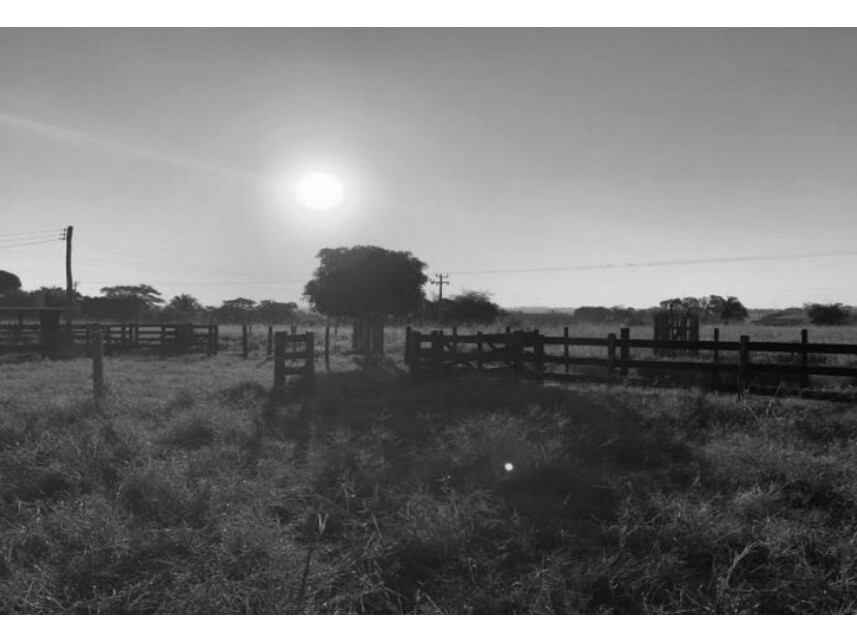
(218, 283)
(675, 262)
(34, 232)
(28, 243)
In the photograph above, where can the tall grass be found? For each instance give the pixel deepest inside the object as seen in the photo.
(194, 489)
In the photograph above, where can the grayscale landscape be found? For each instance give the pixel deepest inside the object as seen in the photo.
(428, 321)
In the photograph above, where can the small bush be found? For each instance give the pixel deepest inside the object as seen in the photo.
(827, 314)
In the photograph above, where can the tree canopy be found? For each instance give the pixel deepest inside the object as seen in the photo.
(472, 307)
(144, 293)
(183, 308)
(365, 280)
(9, 283)
(827, 314)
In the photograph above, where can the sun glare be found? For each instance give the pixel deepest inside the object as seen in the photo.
(319, 191)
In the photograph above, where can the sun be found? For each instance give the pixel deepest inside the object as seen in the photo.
(319, 191)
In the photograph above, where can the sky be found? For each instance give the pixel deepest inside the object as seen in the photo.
(559, 168)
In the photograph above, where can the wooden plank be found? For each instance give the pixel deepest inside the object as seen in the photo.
(715, 358)
(624, 351)
(743, 361)
(611, 352)
(480, 356)
(97, 366)
(672, 365)
(564, 347)
(702, 345)
(575, 341)
(279, 360)
(437, 351)
(415, 353)
(575, 361)
(309, 354)
(797, 369)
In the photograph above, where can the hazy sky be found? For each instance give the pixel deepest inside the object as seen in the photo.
(489, 154)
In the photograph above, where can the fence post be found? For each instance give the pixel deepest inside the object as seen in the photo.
(245, 348)
(539, 351)
(611, 353)
(327, 348)
(804, 358)
(414, 357)
(437, 351)
(565, 347)
(269, 347)
(407, 345)
(743, 361)
(309, 341)
(624, 350)
(163, 336)
(97, 366)
(216, 338)
(518, 343)
(377, 335)
(716, 358)
(279, 360)
(479, 350)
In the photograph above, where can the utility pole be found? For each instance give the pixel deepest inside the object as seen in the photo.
(440, 283)
(69, 284)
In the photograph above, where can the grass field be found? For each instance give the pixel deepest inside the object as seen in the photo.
(194, 489)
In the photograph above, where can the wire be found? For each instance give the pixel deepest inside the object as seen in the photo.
(35, 232)
(220, 283)
(655, 264)
(28, 243)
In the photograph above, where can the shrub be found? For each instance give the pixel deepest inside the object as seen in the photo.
(827, 314)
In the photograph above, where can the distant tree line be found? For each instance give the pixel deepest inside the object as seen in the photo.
(142, 303)
(710, 309)
(358, 283)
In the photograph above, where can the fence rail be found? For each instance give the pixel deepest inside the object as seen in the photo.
(727, 364)
(180, 337)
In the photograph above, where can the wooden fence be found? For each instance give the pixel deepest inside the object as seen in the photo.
(741, 365)
(294, 348)
(184, 338)
(118, 337)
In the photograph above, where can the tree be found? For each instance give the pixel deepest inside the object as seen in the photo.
(146, 294)
(9, 283)
(827, 314)
(183, 308)
(366, 281)
(236, 311)
(733, 310)
(123, 302)
(473, 307)
(729, 308)
(276, 312)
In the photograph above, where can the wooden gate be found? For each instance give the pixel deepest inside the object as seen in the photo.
(676, 327)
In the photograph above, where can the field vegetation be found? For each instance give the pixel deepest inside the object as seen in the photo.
(195, 489)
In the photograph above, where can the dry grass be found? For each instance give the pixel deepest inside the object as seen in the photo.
(195, 490)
